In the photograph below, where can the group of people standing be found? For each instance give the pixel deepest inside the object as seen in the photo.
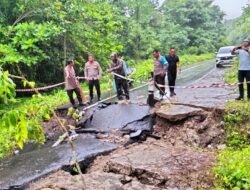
(166, 65)
(163, 65)
(93, 74)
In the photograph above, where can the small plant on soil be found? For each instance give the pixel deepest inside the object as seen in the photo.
(233, 169)
(75, 114)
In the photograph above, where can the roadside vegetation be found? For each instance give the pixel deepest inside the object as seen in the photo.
(232, 169)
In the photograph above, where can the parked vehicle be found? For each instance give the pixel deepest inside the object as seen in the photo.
(224, 57)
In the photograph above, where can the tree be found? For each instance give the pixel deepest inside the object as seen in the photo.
(199, 20)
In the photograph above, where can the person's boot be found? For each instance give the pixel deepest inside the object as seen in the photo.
(91, 101)
(172, 94)
(239, 98)
(82, 104)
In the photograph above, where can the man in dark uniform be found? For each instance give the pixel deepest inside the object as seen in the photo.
(173, 65)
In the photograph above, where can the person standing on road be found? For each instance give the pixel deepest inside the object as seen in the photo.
(71, 83)
(174, 64)
(124, 65)
(117, 68)
(160, 69)
(93, 74)
(244, 67)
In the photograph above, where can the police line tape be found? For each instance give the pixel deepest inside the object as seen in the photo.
(214, 85)
(59, 84)
(46, 87)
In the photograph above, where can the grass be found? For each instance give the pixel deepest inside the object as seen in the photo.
(36, 111)
(233, 167)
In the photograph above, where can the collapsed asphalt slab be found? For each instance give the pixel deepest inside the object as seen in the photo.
(163, 165)
(94, 181)
(117, 117)
(21, 169)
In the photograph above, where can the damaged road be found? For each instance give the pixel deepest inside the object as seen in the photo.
(114, 121)
(190, 131)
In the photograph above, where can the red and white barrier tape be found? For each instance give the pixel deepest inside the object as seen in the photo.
(44, 88)
(214, 85)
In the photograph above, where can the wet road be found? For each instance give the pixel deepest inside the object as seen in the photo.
(189, 75)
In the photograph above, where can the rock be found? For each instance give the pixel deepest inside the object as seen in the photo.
(93, 181)
(164, 166)
(221, 147)
(62, 180)
(136, 185)
(178, 112)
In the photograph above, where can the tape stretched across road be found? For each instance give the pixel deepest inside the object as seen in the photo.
(60, 84)
(213, 85)
(46, 87)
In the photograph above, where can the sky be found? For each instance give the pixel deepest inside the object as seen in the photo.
(232, 8)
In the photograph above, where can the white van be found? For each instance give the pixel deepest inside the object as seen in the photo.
(224, 56)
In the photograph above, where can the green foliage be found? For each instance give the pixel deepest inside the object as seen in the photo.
(239, 29)
(192, 25)
(232, 170)
(7, 89)
(21, 43)
(16, 129)
(20, 121)
(231, 74)
(237, 124)
(188, 59)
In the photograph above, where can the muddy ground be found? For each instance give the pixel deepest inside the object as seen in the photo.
(191, 131)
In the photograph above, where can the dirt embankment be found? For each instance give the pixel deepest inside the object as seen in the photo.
(182, 159)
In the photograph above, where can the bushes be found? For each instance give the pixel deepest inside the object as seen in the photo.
(20, 121)
(231, 74)
(236, 123)
(233, 169)
(190, 59)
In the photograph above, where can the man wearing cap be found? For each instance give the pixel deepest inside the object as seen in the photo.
(243, 52)
(71, 83)
(93, 74)
(117, 68)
